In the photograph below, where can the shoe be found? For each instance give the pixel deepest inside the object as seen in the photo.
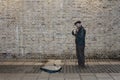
(82, 66)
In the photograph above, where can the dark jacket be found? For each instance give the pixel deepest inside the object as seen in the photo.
(80, 36)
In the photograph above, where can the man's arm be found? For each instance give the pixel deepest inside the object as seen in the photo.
(73, 33)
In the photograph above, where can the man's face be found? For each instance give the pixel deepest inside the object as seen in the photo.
(78, 25)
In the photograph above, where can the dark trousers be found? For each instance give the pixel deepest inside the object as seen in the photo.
(80, 55)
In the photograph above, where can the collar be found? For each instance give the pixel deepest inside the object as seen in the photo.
(80, 28)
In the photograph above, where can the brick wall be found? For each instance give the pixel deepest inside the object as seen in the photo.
(44, 26)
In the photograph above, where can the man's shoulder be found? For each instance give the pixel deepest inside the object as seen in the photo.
(83, 28)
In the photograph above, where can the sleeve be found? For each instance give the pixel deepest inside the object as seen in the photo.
(73, 33)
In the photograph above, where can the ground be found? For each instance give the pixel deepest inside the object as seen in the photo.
(30, 70)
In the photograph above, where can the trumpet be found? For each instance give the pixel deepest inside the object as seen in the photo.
(75, 30)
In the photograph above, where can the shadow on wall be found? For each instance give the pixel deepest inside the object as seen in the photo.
(104, 55)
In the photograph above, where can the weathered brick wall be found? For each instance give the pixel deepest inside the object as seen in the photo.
(44, 26)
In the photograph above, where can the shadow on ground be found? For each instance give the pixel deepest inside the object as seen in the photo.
(92, 69)
(106, 68)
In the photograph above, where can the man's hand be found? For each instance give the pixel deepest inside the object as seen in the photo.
(74, 31)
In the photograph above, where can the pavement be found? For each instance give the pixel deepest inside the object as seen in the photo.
(95, 70)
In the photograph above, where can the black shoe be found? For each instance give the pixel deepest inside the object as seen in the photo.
(82, 66)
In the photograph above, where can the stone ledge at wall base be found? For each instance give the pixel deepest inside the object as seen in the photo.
(40, 56)
(36, 56)
(105, 56)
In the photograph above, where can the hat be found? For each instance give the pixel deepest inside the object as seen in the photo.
(77, 22)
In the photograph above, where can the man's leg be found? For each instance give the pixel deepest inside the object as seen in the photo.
(81, 56)
(77, 54)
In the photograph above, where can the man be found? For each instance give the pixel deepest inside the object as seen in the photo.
(79, 34)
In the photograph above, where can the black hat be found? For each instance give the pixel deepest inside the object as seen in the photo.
(77, 22)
